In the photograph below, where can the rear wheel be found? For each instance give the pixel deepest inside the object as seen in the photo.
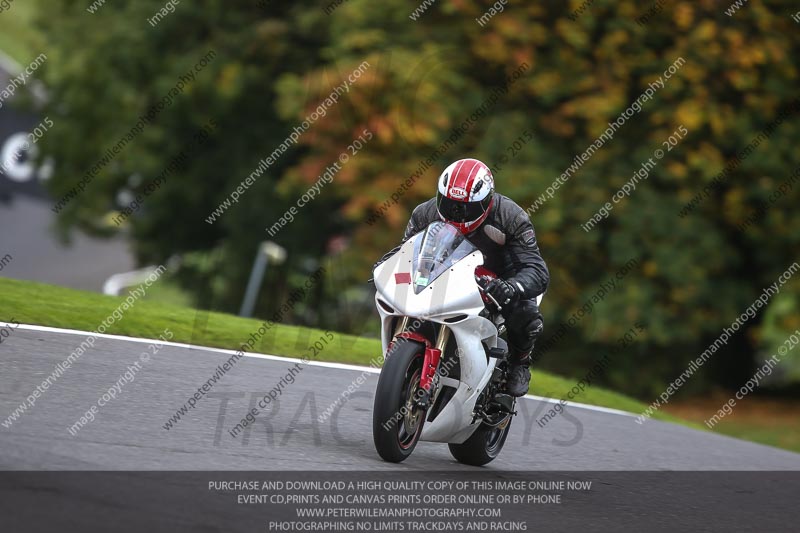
(483, 446)
(396, 420)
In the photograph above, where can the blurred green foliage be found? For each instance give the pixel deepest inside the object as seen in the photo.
(17, 40)
(277, 61)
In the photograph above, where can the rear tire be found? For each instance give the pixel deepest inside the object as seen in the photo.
(396, 423)
(483, 446)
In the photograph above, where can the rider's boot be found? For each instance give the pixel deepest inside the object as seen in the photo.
(519, 374)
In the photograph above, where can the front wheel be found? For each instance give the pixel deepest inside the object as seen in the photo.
(396, 419)
(483, 446)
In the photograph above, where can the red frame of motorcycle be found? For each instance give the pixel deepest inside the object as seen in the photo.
(430, 360)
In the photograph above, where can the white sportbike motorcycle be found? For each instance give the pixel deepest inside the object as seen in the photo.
(444, 374)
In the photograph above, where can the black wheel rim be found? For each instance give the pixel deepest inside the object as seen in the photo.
(494, 437)
(408, 427)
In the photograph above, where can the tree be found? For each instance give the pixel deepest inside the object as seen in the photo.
(706, 88)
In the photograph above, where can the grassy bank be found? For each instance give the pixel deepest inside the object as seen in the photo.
(758, 419)
(40, 304)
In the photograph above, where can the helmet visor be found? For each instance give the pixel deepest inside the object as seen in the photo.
(461, 212)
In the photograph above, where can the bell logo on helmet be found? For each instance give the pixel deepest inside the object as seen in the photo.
(465, 194)
(457, 193)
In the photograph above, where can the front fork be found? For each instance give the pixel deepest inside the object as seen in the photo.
(432, 355)
(430, 361)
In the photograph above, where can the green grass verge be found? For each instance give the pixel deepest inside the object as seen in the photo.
(47, 305)
(786, 436)
(767, 420)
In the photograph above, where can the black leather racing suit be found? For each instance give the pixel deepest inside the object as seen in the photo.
(508, 242)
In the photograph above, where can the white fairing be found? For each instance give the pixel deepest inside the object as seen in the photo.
(454, 293)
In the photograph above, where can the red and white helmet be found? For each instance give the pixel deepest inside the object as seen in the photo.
(465, 194)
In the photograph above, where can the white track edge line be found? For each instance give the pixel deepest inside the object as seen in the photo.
(326, 364)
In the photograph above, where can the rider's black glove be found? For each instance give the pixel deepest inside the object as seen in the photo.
(504, 292)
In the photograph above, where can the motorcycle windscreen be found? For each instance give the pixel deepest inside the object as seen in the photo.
(441, 246)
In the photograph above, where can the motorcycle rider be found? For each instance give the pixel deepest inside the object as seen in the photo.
(503, 232)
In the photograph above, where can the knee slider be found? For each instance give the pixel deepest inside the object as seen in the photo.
(535, 328)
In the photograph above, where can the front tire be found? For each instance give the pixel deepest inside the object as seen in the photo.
(483, 446)
(396, 421)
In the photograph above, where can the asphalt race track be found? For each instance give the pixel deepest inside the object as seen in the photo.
(128, 433)
(106, 490)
